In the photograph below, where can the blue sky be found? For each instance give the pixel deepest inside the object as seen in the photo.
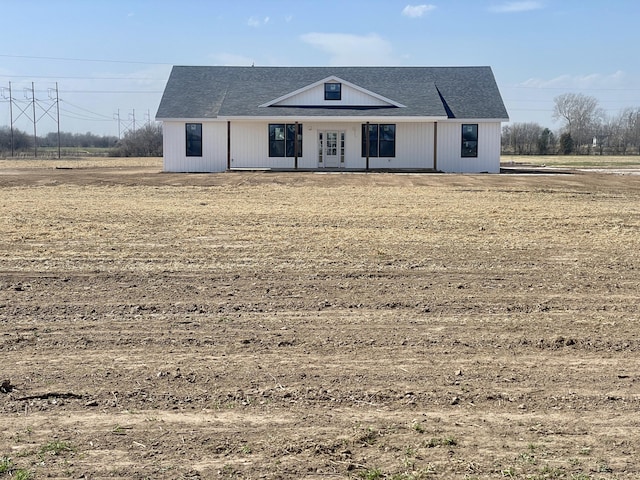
(116, 55)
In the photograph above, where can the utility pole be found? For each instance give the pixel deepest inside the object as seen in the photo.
(35, 133)
(57, 113)
(116, 116)
(11, 117)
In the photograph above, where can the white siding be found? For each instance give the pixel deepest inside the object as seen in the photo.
(450, 147)
(414, 148)
(349, 96)
(214, 148)
(250, 147)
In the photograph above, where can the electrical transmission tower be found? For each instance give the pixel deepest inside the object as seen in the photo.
(30, 108)
(125, 125)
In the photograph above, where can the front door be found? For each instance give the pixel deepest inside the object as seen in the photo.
(331, 149)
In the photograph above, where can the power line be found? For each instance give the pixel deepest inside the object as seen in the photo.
(114, 91)
(86, 110)
(72, 111)
(66, 59)
(75, 116)
(81, 78)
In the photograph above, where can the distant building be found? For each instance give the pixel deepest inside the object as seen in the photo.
(313, 118)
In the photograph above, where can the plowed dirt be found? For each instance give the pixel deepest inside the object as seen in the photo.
(301, 325)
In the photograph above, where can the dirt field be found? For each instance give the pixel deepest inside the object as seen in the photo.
(282, 325)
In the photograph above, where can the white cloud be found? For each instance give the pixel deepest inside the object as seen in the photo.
(346, 49)
(415, 11)
(257, 22)
(594, 81)
(515, 7)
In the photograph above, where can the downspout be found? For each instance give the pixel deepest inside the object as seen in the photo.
(435, 146)
(228, 144)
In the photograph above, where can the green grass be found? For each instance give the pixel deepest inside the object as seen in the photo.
(573, 161)
(21, 475)
(5, 464)
(441, 442)
(75, 151)
(56, 448)
(371, 474)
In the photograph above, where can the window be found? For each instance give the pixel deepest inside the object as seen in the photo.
(194, 139)
(382, 140)
(282, 140)
(332, 91)
(470, 140)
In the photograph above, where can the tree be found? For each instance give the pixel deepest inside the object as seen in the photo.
(544, 141)
(566, 143)
(144, 142)
(522, 138)
(630, 126)
(580, 113)
(21, 140)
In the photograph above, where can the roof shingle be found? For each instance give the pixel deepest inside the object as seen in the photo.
(200, 92)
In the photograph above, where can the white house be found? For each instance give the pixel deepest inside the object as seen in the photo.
(312, 118)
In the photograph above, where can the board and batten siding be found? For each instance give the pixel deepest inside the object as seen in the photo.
(315, 96)
(214, 148)
(414, 148)
(250, 146)
(450, 148)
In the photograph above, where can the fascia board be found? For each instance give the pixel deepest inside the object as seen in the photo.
(320, 119)
(186, 119)
(474, 120)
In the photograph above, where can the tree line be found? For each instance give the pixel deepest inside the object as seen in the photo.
(143, 142)
(586, 129)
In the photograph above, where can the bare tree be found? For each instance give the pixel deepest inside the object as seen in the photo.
(21, 140)
(144, 142)
(630, 124)
(522, 138)
(581, 115)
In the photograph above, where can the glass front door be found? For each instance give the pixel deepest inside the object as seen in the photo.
(331, 149)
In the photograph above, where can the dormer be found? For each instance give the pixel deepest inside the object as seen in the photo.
(332, 92)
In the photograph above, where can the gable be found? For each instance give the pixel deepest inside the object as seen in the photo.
(351, 95)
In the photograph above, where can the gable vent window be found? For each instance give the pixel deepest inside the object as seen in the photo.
(332, 91)
(470, 140)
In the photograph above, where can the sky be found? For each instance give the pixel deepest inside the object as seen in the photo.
(110, 60)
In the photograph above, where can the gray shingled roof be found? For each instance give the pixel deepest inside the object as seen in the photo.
(209, 92)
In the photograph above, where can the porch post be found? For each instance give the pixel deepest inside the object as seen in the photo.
(435, 146)
(295, 147)
(367, 145)
(229, 145)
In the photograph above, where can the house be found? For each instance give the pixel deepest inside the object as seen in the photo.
(312, 118)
